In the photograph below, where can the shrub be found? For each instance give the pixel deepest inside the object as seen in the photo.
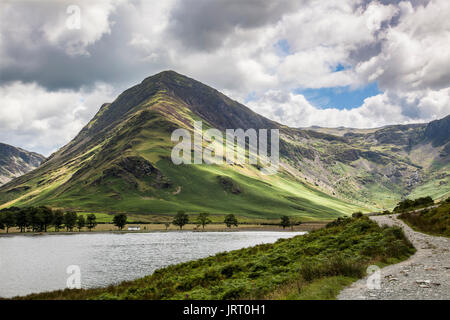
(230, 269)
(357, 214)
(434, 221)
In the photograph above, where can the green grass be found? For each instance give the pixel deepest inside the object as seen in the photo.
(432, 221)
(267, 197)
(70, 179)
(321, 289)
(202, 192)
(101, 217)
(314, 266)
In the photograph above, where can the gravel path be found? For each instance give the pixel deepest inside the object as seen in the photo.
(424, 276)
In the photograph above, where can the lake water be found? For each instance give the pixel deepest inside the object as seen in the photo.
(31, 264)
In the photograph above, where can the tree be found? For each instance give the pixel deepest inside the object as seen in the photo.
(91, 221)
(285, 222)
(34, 219)
(58, 219)
(180, 219)
(357, 214)
(230, 220)
(203, 219)
(21, 219)
(80, 222)
(120, 220)
(2, 225)
(8, 219)
(46, 216)
(70, 220)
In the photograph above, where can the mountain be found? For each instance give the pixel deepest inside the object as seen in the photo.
(15, 162)
(120, 161)
(380, 166)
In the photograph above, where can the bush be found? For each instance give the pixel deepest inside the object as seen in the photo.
(409, 205)
(435, 221)
(230, 269)
(357, 215)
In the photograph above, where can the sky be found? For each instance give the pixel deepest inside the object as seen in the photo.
(353, 63)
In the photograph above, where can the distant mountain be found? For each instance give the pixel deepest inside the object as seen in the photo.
(121, 161)
(15, 162)
(381, 166)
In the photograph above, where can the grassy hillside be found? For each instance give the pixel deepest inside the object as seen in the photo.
(314, 266)
(107, 183)
(120, 162)
(434, 221)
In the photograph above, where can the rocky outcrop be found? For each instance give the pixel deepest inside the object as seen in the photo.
(438, 131)
(15, 162)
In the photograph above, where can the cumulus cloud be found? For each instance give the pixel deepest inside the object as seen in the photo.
(35, 119)
(205, 24)
(380, 110)
(69, 25)
(256, 51)
(415, 53)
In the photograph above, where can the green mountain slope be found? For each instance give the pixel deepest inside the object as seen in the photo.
(121, 162)
(382, 166)
(15, 162)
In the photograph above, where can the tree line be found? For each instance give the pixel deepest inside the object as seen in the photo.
(181, 219)
(39, 219)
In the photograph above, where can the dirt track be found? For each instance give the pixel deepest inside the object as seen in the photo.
(424, 276)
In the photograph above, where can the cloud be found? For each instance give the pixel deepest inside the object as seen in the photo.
(205, 25)
(261, 51)
(39, 120)
(68, 25)
(415, 53)
(376, 111)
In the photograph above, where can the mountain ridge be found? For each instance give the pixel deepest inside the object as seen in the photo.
(120, 161)
(15, 162)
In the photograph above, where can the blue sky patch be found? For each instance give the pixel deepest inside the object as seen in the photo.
(339, 97)
(283, 47)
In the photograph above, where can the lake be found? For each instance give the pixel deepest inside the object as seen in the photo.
(32, 264)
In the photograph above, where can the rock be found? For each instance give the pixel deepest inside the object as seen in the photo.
(436, 284)
(423, 282)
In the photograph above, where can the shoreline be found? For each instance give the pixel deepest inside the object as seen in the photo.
(306, 227)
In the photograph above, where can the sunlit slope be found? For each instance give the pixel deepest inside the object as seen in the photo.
(121, 162)
(102, 184)
(124, 165)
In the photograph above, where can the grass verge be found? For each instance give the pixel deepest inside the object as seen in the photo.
(431, 221)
